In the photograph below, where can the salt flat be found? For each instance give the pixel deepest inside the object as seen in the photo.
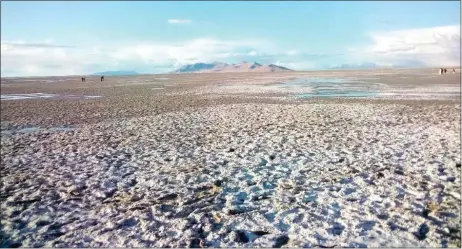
(302, 159)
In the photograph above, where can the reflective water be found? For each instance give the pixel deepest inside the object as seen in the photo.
(354, 94)
(32, 129)
(43, 96)
(331, 87)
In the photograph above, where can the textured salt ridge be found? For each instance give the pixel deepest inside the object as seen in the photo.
(240, 176)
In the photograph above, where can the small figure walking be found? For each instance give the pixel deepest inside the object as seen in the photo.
(453, 71)
(102, 78)
(445, 70)
(441, 71)
(83, 79)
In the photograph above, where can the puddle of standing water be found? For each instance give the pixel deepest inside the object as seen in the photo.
(32, 129)
(25, 96)
(337, 94)
(62, 129)
(43, 96)
(321, 81)
(330, 87)
(28, 129)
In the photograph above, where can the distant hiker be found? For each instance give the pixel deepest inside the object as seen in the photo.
(441, 71)
(83, 79)
(445, 70)
(102, 78)
(453, 71)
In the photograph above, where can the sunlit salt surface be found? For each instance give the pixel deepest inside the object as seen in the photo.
(43, 96)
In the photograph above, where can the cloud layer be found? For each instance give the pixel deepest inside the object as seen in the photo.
(433, 47)
(42, 59)
(179, 21)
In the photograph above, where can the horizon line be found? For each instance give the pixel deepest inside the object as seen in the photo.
(283, 72)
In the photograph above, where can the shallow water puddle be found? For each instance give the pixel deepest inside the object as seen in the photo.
(355, 94)
(23, 130)
(32, 129)
(330, 87)
(25, 96)
(22, 80)
(43, 96)
(321, 81)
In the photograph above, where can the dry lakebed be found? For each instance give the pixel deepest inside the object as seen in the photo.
(301, 159)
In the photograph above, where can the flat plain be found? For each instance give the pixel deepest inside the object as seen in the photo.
(297, 159)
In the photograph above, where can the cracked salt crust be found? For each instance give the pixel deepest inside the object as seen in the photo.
(244, 175)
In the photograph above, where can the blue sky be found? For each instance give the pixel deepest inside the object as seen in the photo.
(58, 38)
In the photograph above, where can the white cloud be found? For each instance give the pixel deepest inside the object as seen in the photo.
(292, 52)
(437, 46)
(37, 59)
(46, 44)
(297, 65)
(252, 53)
(28, 59)
(179, 21)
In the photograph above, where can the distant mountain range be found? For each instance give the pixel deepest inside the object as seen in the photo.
(116, 73)
(220, 67)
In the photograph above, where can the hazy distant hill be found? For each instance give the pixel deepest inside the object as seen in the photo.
(117, 73)
(220, 67)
